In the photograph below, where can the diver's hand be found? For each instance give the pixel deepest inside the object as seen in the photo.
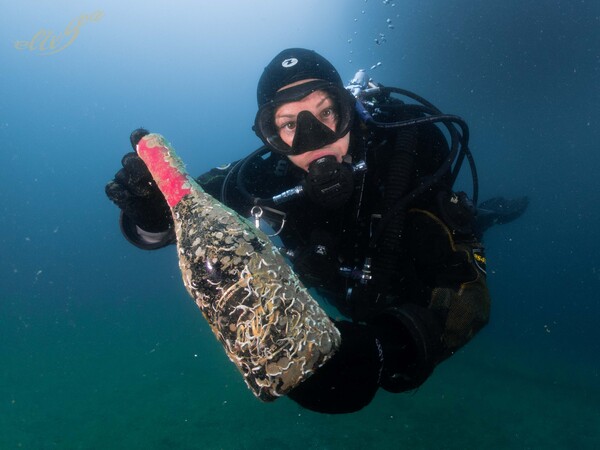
(134, 191)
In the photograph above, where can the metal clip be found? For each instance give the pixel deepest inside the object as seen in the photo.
(257, 213)
(366, 271)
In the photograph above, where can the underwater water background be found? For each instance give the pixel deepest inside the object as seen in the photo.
(100, 345)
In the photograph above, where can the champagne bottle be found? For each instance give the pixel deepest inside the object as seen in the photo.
(270, 327)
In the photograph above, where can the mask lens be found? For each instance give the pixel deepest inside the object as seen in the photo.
(314, 135)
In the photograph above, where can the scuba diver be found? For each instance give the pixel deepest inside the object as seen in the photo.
(356, 183)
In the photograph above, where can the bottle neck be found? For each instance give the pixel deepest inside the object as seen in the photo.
(166, 168)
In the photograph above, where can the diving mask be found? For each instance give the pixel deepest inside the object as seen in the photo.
(310, 132)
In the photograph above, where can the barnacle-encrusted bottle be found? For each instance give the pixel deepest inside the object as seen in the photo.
(270, 327)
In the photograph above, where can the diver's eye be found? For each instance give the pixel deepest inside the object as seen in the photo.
(288, 126)
(328, 113)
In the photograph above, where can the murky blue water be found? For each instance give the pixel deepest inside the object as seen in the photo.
(100, 346)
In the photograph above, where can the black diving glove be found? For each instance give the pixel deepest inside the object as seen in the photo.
(410, 342)
(134, 191)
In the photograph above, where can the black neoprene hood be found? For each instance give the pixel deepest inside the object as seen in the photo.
(291, 65)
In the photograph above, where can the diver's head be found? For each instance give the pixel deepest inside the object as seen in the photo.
(304, 110)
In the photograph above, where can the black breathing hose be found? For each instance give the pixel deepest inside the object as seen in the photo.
(239, 168)
(429, 108)
(389, 258)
